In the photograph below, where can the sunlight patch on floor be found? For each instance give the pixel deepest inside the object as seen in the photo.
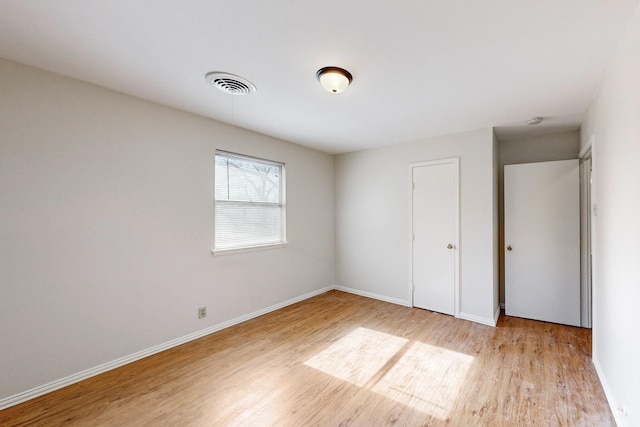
(420, 376)
(358, 356)
(426, 378)
(255, 403)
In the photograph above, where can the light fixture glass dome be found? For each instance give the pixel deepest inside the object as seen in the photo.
(334, 79)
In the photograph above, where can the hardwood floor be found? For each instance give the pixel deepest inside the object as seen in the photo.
(340, 359)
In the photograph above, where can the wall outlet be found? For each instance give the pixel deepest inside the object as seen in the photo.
(202, 312)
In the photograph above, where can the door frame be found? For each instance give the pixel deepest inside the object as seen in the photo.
(456, 229)
(542, 222)
(587, 237)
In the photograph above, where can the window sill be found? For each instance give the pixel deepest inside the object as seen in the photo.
(220, 252)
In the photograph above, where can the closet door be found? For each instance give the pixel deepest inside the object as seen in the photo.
(434, 213)
(542, 241)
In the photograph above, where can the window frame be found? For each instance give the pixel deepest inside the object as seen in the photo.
(282, 204)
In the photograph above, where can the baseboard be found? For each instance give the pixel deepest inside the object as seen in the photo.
(80, 376)
(477, 319)
(617, 414)
(372, 295)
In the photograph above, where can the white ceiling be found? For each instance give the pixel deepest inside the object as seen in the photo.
(421, 68)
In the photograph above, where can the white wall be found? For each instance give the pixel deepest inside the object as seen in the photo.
(373, 221)
(106, 226)
(544, 148)
(614, 123)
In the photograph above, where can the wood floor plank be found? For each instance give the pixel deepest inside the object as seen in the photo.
(344, 360)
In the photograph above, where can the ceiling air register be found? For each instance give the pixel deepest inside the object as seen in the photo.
(230, 83)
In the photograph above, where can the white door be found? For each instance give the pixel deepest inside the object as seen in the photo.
(542, 241)
(434, 215)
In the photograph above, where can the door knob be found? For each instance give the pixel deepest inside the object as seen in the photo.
(509, 248)
(449, 246)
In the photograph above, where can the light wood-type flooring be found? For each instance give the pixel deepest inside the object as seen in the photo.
(344, 360)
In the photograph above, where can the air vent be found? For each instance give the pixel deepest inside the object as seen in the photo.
(230, 83)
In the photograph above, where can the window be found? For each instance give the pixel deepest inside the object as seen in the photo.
(249, 202)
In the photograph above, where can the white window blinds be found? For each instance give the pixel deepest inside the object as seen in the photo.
(249, 202)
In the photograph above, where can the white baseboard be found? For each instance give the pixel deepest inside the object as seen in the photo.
(477, 319)
(72, 379)
(374, 296)
(496, 315)
(617, 414)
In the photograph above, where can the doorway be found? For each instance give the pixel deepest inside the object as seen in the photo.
(542, 238)
(587, 211)
(435, 236)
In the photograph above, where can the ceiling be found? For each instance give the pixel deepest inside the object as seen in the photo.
(421, 68)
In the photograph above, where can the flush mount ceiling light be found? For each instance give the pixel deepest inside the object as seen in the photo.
(334, 79)
(534, 121)
(230, 83)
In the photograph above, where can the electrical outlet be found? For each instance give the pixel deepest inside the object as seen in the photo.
(202, 312)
